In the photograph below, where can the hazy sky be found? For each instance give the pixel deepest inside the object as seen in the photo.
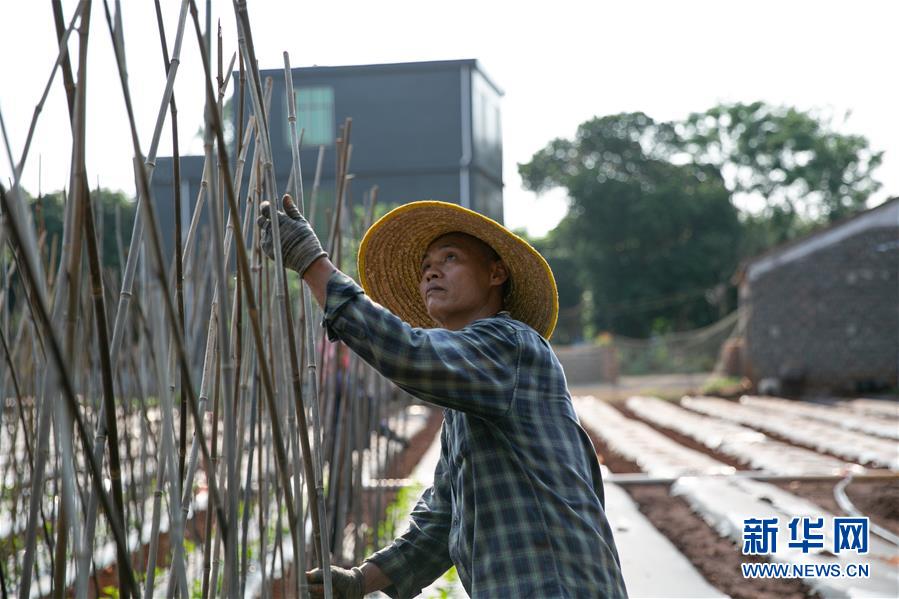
(559, 64)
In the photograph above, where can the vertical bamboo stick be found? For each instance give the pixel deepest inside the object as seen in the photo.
(244, 266)
(155, 246)
(133, 253)
(35, 284)
(316, 500)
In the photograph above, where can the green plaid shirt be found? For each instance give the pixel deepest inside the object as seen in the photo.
(517, 500)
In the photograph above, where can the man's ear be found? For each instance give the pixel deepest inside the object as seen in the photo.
(498, 273)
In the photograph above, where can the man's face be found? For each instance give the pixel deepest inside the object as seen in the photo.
(457, 276)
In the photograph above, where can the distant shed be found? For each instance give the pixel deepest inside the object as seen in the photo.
(823, 311)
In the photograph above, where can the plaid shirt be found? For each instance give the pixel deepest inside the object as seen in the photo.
(517, 500)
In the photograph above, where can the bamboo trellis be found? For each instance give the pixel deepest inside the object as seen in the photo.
(130, 466)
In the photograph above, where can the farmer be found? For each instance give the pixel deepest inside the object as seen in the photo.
(464, 312)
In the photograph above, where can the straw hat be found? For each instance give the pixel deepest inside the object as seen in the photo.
(391, 251)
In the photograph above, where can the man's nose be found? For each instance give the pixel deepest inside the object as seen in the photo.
(431, 273)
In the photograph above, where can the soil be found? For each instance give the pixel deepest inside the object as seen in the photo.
(684, 440)
(717, 559)
(777, 437)
(879, 500)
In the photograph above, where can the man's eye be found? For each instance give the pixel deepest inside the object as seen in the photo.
(450, 256)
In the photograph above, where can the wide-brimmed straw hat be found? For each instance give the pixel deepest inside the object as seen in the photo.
(391, 252)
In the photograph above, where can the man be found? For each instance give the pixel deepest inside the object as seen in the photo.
(466, 309)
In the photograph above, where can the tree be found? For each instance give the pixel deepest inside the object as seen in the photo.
(650, 237)
(48, 213)
(558, 254)
(806, 173)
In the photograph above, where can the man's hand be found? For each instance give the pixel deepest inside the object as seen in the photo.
(347, 584)
(299, 245)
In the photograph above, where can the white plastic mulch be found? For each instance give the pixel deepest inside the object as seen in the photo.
(876, 407)
(844, 418)
(750, 447)
(650, 564)
(822, 436)
(726, 503)
(655, 453)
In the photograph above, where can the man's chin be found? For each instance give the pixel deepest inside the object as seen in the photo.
(435, 314)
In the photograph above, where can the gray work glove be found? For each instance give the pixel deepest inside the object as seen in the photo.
(347, 584)
(299, 245)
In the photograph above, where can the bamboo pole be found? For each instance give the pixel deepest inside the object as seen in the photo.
(165, 328)
(176, 189)
(109, 403)
(285, 318)
(207, 552)
(251, 304)
(61, 367)
(155, 247)
(67, 505)
(130, 267)
(62, 56)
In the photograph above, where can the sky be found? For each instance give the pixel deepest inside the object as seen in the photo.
(559, 64)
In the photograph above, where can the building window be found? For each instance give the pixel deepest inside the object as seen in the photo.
(315, 115)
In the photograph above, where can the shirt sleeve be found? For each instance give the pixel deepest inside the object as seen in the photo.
(421, 554)
(472, 370)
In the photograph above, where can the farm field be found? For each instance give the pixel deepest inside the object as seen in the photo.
(724, 473)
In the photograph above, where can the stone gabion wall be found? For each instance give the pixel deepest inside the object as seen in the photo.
(829, 320)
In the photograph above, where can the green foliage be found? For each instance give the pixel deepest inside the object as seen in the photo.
(110, 591)
(446, 583)
(561, 259)
(48, 213)
(805, 171)
(196, 590)
(718, 384)
(653, 236)
(398, 510)
(641, 231)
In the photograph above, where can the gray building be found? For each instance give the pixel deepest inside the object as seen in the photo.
(423, 130)
(822, 312)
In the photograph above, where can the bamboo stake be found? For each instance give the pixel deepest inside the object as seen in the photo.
(244, 266)
(136, 236)
(176, 189)
(62, 56)
(316, 183)
(109, 403)
(67, 503)
(209, 354)
(213, 465)
(137, 227)
(255, 88)
(314, 460)
(155, 246)
(65, 379)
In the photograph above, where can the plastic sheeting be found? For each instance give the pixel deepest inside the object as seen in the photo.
(650, 564)
(844, 418)
(655, 453)
(819, 435)
(877, 407)
(750, 447)
(726, 503)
